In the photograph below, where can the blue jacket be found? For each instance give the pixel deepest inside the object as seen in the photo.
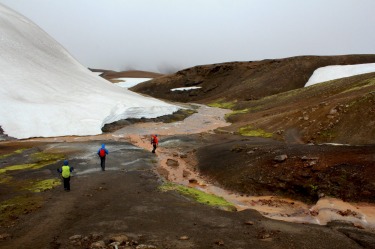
(103, 147)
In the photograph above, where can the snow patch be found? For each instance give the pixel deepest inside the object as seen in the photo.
(45, 92)
(185, 88)
(130, 82)
(336, 72)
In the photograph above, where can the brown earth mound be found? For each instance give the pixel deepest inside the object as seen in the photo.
(268, 98)
(258, 166)
(108, 74)
(339, 111)
(238, 81)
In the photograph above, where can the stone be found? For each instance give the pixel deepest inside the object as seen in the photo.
(119, 238)
(184, 237)
(142, 246)
(98, 245)
(280, 158)
(76, 237)
(249, 223)
(96, 236)
(333, 111)
(172, 163)
(5, 236)
(219, 242)
(193, 180)
(183, 155)
(114, 245)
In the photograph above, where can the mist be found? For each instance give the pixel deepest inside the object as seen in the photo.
(166, 36)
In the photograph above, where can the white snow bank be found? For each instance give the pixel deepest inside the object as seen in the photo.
(45, 92)
(336, 72)
(185, 88)
(130, 82)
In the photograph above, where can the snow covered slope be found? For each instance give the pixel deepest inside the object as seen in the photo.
(45, 92)
(336, 72)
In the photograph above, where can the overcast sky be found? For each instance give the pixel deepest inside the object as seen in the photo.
(166, 35)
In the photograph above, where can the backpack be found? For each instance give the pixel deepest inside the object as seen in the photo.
(102, 153)
(155, 140)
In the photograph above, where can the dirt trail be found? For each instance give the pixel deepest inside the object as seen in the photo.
(179, 167)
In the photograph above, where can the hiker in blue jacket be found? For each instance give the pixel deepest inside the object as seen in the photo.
(65, 173)
(102, 152)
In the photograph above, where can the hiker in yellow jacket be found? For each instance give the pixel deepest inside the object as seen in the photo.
(65, 173)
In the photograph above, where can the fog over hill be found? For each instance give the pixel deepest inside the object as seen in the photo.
(46, 92)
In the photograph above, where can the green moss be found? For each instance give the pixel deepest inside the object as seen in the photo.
(199, 196)
(11, 154)
(250, 132)
(40, 159)
(221, 104)
(243, 111)
(328, 134)
(43, 185)
(361, 85)
(47, 158)
(19, 167)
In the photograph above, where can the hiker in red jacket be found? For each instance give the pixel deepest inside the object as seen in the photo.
(102, 152)
(154, 142)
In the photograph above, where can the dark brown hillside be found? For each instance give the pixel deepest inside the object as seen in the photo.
(339, 111)
(108, 74)
(238, 81)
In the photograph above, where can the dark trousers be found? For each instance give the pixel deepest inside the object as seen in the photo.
(154, 145)
(102, 163)
(67, 183)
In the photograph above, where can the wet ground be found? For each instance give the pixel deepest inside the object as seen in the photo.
(126, 199)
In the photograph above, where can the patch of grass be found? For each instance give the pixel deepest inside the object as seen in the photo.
(199, 196)
(43, 185)
(328, 134)
(249, 131)
(221, 104)
(243, 111)
(361, 85)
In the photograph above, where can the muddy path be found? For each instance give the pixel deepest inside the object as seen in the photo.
(177, 162)
(126, 200)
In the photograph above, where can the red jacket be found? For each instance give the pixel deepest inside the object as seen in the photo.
(155, 140)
